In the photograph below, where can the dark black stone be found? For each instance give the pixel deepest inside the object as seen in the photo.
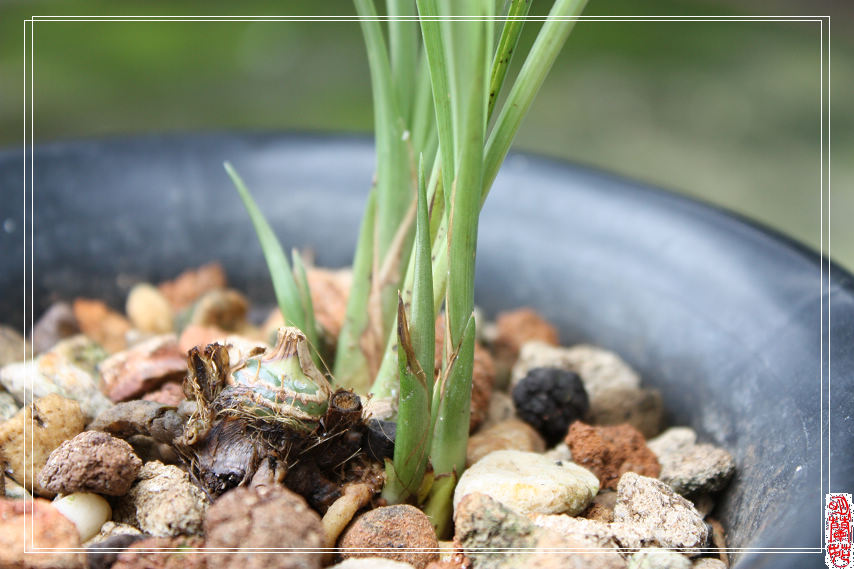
(550, 399)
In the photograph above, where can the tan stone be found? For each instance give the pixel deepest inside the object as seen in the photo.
(149, 310)
(45, 527)
(46, 424)
(511, 434)
(102, 324)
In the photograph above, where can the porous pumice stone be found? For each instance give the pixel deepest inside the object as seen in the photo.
(28, 438)
(88, 512)
(262, 519)
(371, 563)
(401, 533)
(529, 483)
(649, 513)
(657, 558)
(38, 523)
(690, 468)
(163, 502)
(180, 552)
(91, 462)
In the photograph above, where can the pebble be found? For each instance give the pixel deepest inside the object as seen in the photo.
(657, 558)
(56, 323)
(13, 346)
(404, 528)
(649, 513)
(81, 351)
(102, 324)
(145, 366)
(529, 483)
(185, 554)
(370, 563)
(54, 373)
(511, 434)
(112, 529)
(187, 287)
(149, 310)
(500, 409)
(614, 389)
(170, 393)
(599, 533)
(602, 507)
(163, 502)
(489, 532)
(88, 512)
(550, 400)
(610, 451)
(559, 452)
(690, 468)
(709, 563)
(225, 309)
(263, 518)
(197, 335)
(92, 461)
(38, 523)
(102, 553)
(512, 330)
(47, 423)
(14, 490)
(8, 406)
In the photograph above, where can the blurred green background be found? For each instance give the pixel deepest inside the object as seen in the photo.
(724, 111)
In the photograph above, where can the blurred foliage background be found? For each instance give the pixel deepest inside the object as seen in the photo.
(728, 112)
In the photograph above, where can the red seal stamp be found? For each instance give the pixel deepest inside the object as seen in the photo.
(837, 531)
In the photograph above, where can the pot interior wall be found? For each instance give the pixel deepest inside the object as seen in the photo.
(724, 318)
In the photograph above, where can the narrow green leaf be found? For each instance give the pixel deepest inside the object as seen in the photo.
(534, 70)
(423, 314)
(351, 368)
(403, 45)
(434, 49)
(510, 33)
(451, 415)
(395, 191)
(465, 195)
(284, 285)
(386, 380)
(439, 507)
(412, 442)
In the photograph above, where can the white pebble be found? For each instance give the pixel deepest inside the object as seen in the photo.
(87, 511)
(529, 483)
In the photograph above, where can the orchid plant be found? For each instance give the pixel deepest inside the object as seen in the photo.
(444, 122)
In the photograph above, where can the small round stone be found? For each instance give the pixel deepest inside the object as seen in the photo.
(149, 310)
(87, 511)
(271, 517)
(550, 399)
(511, 434)
(529, 483)
(657, 558)
(610, 451)
(92, 461)
(163, 502)
(28, 438)
(400, 527)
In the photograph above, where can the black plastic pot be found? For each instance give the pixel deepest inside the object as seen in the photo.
(740, 328)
